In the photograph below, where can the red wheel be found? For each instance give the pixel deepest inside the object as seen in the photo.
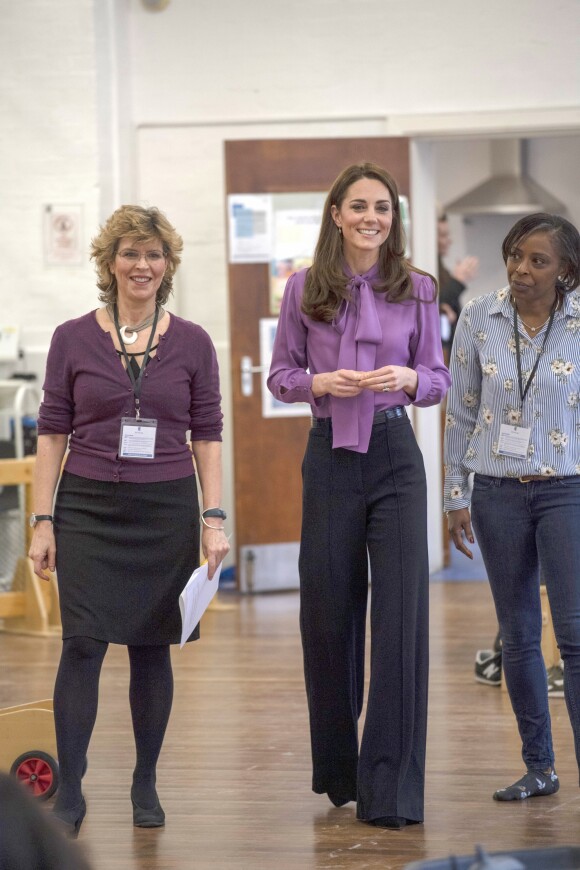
(38, 771)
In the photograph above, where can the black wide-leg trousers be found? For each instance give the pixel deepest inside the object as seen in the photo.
(354, 504)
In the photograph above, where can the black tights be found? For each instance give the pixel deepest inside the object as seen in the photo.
(76, 696)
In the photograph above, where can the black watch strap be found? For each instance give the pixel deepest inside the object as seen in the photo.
(36, 518)
(215, 512)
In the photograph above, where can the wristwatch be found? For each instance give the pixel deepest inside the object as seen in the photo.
(36, 518)
(219, 513)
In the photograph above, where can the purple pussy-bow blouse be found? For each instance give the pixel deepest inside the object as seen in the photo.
(369, 332)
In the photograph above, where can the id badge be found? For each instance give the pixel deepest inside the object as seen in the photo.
(137, 439)
(513, 441)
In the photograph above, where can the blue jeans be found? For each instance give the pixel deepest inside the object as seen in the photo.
(521, 527)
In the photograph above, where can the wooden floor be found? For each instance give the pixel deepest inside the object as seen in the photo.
(234, 777)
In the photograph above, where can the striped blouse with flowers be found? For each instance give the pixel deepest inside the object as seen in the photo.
(485, 393)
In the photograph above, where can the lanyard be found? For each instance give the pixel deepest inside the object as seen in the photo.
(136, 382)
(523, 393)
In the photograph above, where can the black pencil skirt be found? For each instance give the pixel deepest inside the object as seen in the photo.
(124, 552)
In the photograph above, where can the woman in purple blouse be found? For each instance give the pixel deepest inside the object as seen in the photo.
(359, 339)
(123, 386)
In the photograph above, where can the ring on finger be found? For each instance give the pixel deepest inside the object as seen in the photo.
(386, 388)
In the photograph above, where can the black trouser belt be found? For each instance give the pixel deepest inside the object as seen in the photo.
(379, 417)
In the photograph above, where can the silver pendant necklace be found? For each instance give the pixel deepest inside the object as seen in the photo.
(535, 328)
(135, 330)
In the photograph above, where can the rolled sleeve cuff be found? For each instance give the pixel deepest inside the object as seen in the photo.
(456, 491)
(297, 387)
(425, 390)
(431, 386)
(201, 434)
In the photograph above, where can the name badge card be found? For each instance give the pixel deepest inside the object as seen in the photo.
(513, 441)
(137, 439)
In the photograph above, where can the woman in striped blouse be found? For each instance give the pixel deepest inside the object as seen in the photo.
(513, 418)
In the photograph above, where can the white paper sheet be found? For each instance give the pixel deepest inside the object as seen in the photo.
(195, 598)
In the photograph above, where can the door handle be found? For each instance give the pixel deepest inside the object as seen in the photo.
(247, 369)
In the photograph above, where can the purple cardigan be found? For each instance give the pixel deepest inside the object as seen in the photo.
(87, 391)
(368, 333)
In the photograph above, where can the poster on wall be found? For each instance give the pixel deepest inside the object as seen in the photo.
(296, 224)
(271, 407)
(63, 235)
(250, 228)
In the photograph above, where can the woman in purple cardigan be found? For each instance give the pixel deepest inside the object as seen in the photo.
(359, 339)
(123, 385)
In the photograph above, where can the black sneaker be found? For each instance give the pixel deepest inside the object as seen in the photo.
(556, 681)
(488, 667)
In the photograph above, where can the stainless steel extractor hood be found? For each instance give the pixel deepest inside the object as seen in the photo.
(510, 190)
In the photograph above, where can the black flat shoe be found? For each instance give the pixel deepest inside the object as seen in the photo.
(393, 822)
(338, 801)
(148, 818)
(70, 821)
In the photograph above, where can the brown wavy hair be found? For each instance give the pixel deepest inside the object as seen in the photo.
(140, 225)
(326, 287)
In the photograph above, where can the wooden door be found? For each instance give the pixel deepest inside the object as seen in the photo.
(268, 452)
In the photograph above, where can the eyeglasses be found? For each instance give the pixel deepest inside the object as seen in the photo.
(130, 256)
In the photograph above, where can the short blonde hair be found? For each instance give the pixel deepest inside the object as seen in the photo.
(140, 225)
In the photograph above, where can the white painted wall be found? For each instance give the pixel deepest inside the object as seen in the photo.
(102, 101)
(313, 58)
(48, 154)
